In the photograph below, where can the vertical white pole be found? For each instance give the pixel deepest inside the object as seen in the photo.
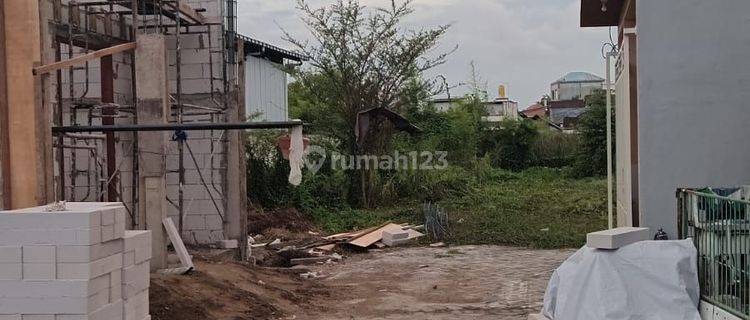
(610, 213)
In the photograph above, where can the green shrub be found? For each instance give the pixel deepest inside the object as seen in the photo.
(509, 146)
(554, 150)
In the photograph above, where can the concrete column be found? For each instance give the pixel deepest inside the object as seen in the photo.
(236, 217)
(27, 121)
(153, 108)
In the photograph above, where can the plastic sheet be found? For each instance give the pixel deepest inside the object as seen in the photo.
(648, 280)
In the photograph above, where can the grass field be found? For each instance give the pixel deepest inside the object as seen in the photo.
(539, 208)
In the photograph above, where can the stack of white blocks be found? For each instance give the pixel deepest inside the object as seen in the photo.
(72, 264)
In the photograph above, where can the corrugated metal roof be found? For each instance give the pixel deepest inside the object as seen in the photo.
(257, 47)
(579, 77)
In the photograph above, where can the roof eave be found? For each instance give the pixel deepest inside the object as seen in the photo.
(593, 16)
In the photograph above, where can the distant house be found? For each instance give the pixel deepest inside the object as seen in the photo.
(575, 86)
(566, 97)
(499, 109)
(565, 113)
(534, 111)
(266, 92)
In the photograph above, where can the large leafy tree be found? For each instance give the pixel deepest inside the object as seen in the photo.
(362, 58)
(591, 159)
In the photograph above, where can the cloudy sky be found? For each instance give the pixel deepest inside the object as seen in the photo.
(524, 44)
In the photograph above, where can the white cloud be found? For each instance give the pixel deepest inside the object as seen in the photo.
(525, 44)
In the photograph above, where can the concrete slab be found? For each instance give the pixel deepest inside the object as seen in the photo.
(616, 238)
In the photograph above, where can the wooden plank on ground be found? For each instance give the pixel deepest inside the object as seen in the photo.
(86, 57)
(371, 238)
(413, 234)
(328, 247)
(179, 246)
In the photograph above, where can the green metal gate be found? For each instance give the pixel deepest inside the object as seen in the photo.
(720, 227)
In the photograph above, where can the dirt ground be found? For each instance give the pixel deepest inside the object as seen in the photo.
(467, 282)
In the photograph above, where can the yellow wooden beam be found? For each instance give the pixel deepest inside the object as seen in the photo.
(81, 59)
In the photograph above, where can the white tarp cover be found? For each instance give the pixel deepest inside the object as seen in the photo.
(648, 280)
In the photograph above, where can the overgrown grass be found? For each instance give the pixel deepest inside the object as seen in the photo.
(538, 207)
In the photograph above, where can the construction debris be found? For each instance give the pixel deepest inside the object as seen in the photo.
(314, 249)
(179, 246)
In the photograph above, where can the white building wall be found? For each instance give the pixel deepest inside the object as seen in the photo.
(693, 101)
(266, 95)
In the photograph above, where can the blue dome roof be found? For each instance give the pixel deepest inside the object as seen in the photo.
(579, 77)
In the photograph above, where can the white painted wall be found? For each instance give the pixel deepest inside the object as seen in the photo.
(265, 90)
(694, 100)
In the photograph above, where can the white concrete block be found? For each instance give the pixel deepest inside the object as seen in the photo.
(108, 216)
(136, 308)
(119, 229)
(60, 305)
(38, 218)
(115, 284)
(39, 254)
(99, 283)
(140, 243)
(98, 300)
(82, 254)
(135, 279)
(88, 236)
(395, 235)
(128, 259)
(108, 232)
(39, 271)
(616, 238)
(228, 244)
(16, 237)
(71, 317)
(10, 255)
(89, 270)
(112, 311)
(42, 290)
(11, 271)
(38, 317)
(395, 238)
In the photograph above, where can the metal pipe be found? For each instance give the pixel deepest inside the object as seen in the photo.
(610, 209)
(183, 127)
(180, 112)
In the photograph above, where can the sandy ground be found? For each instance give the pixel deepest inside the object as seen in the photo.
(466, 282)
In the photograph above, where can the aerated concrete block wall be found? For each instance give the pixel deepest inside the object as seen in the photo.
(201, 66)
(72, 264)
(202, 215)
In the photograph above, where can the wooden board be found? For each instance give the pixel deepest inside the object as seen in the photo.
(86, 57)
(371, 238)
(179, 246)
(413, 234)
(328, 247)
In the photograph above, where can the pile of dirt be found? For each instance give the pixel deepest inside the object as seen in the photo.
(233, 291)
(277, 221)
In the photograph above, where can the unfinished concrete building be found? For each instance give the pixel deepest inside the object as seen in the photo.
(135, 101)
